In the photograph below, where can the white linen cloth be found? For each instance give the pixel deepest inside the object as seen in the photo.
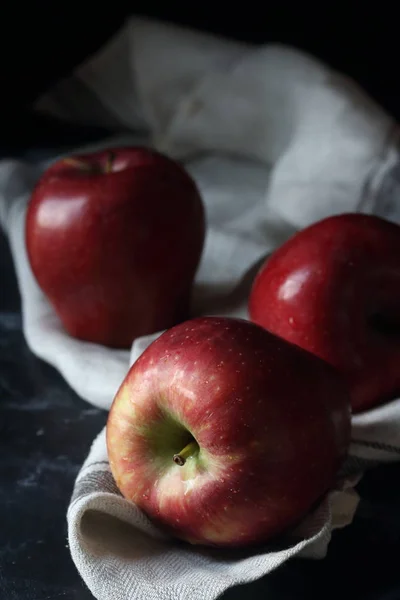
(275, 141)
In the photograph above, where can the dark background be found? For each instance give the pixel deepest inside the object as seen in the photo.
(45, 429)
(45, 40)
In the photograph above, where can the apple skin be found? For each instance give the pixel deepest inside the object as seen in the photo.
(271, 425)
(334, 289)
(114, 239)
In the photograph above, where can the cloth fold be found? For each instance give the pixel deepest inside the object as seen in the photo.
(275, 141)
(121, 555)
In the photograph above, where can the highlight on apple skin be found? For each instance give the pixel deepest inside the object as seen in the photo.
(334, 290)
(226, 435)
(114, 239)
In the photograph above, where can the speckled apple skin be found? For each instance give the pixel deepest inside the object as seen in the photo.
(272, 423)
(334, 289)
(114, 239)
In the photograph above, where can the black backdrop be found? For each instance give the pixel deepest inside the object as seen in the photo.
(42, 41)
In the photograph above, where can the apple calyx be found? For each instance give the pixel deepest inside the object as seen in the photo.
(92, 168)
(80, 164)
(190, 449)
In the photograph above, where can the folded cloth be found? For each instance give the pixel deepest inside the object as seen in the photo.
(275, 141)
(121, 555)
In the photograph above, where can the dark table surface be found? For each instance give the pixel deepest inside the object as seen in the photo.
(45, 434)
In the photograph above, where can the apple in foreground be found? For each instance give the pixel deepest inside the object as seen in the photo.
(224, 434)
(114, 239)
(334, 290)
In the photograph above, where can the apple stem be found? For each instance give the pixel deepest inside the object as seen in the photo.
(109, 162)
(187, 451)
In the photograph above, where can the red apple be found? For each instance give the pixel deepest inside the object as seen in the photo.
(334, 289)
(114, 239)
(226, 435)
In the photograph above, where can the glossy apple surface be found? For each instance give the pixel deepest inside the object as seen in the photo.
(226, 435)
(114, 239)
(334, 289)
